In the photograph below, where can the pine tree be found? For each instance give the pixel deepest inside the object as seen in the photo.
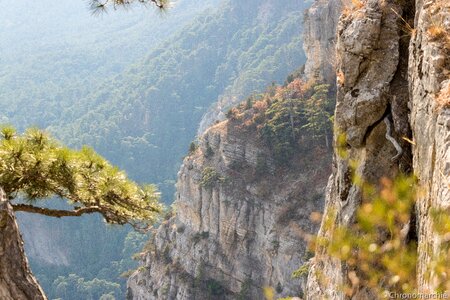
(35, 167)
(319, 112)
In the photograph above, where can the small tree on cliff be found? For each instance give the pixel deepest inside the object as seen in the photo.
(318, 112)
(34, 167)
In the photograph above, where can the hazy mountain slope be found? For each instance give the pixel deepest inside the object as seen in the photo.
(150, 116)
(55, 53)
(67, 71)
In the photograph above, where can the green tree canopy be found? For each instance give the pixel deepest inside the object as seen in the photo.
(35, 167)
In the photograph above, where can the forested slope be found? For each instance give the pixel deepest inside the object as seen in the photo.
(151, 114)
(135, 88)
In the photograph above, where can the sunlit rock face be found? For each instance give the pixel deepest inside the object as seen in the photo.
(245, 231)
(392, 82)
(429, 87)
(319, 40)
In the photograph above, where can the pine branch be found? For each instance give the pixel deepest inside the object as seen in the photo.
(57, 213)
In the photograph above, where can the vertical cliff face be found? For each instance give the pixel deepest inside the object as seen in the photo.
(239, 223)
(372, 80)
(393, 82)
(429, 76)
(319, 40)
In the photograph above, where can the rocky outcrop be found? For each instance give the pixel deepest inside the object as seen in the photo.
(319, 40)
(16, 280)
(239, 222)
(392, 117)
(393, 82)
(372, 105)
(429, 76)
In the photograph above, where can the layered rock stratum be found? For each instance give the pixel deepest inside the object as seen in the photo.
(319, 40)
(393, 85)
(245, 230)
(392, 64)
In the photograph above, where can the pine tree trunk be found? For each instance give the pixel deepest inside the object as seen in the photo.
(16, 280)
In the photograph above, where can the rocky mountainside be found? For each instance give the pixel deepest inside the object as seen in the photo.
(393, 83)
(239, 223)
(319, 40)
(230, 239)
(392, 117)
(429, 92)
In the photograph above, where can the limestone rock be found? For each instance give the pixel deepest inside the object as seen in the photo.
(429, 79)
(238, 234)
(319, 40)
(387, 74)
(368, 60)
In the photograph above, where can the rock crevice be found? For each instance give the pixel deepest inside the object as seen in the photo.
(392, 66)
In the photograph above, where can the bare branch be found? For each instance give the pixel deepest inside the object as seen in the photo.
(56, 212)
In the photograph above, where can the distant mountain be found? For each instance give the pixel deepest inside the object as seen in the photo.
(55, 53)
(144, 118)
(134, 86)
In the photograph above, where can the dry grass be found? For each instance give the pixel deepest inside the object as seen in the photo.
(436, 32)
(350, 6)
(443, 98)
(358, 4)
(405, 26)
(340, 78)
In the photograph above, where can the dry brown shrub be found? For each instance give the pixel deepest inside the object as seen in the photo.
(340, 78)
(437, 32)
(443, 98)
(260, 106)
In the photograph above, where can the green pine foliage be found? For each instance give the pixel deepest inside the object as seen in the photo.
(140, 110)
(210, 177)
(319, 112)
(193, 147)
(73, 287)
(294, 116)
(36, 167)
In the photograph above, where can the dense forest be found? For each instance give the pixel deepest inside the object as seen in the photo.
(134, 85)
(148, 92)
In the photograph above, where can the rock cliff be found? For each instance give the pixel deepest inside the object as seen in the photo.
(429, 90)
(239, 222)
(392, 116)
(319, 40)
(393, 82)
